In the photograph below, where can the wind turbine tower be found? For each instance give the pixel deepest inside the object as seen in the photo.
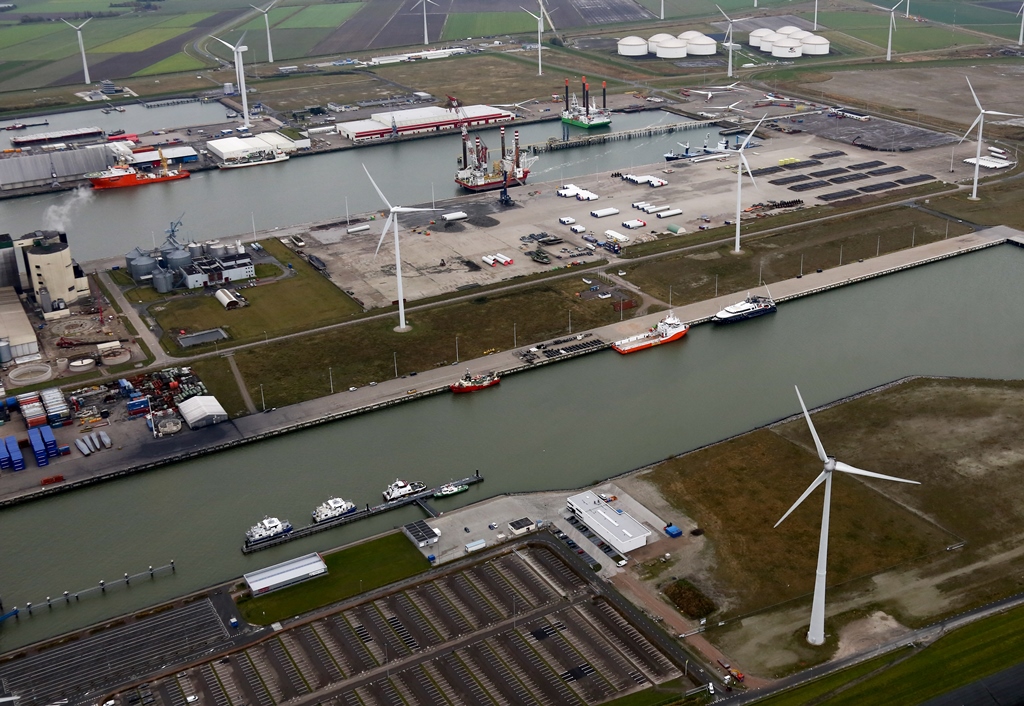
(980, 122)
(1020, 37)
(739, 178)
(728, 39)
(266, 20)
(892, 27)
(816, 633)
(237, 50)
(816, 13)
(81, 46)
(426, 37)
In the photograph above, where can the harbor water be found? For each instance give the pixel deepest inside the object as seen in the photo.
(562, 426)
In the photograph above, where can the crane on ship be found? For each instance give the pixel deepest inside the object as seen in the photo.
(479, 155)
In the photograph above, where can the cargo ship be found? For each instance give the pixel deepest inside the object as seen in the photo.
(400, 489)
(673, 156)
(450, 489)
(123, 175)
(585, 113)
(472, 383)
(255, 159)
(753, 305)
(668, 329)
(475, 174)
(335, 507)
(268, 528)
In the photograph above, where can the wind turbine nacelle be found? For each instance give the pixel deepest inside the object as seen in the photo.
(241, 49)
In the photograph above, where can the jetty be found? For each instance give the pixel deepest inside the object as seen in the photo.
(587, 140)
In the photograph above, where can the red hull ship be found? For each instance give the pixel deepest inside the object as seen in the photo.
(120, 177)
(472, 383)
(668, 329)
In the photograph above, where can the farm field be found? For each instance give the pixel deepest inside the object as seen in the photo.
(322, 16)
(483, 24)
(873, 27)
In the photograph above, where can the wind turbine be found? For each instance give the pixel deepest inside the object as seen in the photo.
(81, 46)
(1020, 37)
(816, 633)
(393, 212)
(892, 26)
(739, 178)
(816, 13)
(266, 20)
(240, 74)
(540, 31)
(728, 39)
(980, 122)
(426, 38)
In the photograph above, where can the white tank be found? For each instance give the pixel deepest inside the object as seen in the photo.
(786, 48)
(815, 45)
(230, 249)
(701, 46)
(767, 40)
(632, 46)
(653, 42)
(672, 49)
(787, 30)
(217, 250)
(690, 34)
(195, 250)
(800, 34)
(239, 247)
(755, 37)
(209, 244)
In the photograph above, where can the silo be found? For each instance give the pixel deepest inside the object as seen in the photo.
(632, 46)
(787, 30)
(690, 34)
(217, 250)
(208, 245)
(786, 48)
(130, 257)
(163, 281)
(755, 37)
(672, 49)
(701, 46)
(142, 266)
(800, 34)
(5, 351)
(195, 250)
(231, 249)
(178, 259)
(815, 45)
(240, 246)
(767, 40)
(653, 42)
(44, 300)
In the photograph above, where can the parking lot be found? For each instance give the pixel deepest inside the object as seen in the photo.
(519, 627)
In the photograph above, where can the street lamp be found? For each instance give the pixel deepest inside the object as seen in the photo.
(262, 398)
(266, 339)
(456, 349)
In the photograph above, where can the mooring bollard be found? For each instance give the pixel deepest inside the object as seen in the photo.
(103, 586)
(47, 601)
(67, 599)
(127, 581)
(172, 565)
(28, 607)
(150, 571)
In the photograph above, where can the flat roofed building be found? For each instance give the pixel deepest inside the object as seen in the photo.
(616, 527)
(286, 573)
(424, 119)
(420, 533)
(520, 526)
(15, 325)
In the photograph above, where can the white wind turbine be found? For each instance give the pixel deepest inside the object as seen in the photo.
(266, 20)
(728, 39)
(816, 13)
(739, 178)
(892, 26)
(81, 46)
(393, 212)
(816, 633)
(426, 37)
(240, 74)
(1020, 37)
(540, 31)
(980, 122)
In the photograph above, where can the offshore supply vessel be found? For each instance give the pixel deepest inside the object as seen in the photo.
(475, 173)
(585, 113)
(668, 329)
(472, 383)
(123, 175)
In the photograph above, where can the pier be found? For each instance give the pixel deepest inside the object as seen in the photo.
(422, 499)
(588, 140)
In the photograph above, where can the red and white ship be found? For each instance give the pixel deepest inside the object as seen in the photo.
(476, 174)
(472, 383)
(123, 175)
(668, 329)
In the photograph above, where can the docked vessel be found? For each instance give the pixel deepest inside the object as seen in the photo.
(753, 305)
(255, 158)
(450, 489)
(673, 156)
(668, 329)
(472, 383)
(585, 113)
(123, 175)
(476, 174)
(400, 489)
(267, 529)
(335, 507)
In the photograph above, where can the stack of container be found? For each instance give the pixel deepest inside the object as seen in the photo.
(5, 458)
(50, 442)
(32, 409)
(17, 460)
(137, 404)
(57, 411)
(38, 448)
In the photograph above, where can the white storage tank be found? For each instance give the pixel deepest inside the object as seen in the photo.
(231, 249)
(787, 48)
(672, 49)
(768, 40)
(755, 37)
(632, 46)
(787, 30)
(815, 45)
(701, 46)
(217, 250)
(653, 42)
(195, 250)
(690, 34)
(800, 34)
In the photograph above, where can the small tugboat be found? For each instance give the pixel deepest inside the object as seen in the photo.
(450, 489)
(335, 507)
(668, 329)
(267, 529)
(753, 305)
(472, 383)
(399, 489)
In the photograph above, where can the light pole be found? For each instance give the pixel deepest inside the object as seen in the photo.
(396, 364)
(515, 340)
(570, 321)
(262, 398)
(266, 339)
(330, 374)
(456, 349)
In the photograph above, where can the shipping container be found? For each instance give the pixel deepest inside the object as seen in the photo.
(476, 546)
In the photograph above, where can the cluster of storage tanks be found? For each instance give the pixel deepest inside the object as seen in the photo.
(788, 42)
(164, 262)
(665, 46)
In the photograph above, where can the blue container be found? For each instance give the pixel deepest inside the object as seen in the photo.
(12, 402)
(673, 531)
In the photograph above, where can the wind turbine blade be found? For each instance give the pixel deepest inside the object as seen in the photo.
(723, 13)
(751, 134)
(376, 188)
(529, 13)
(410, 209)
(810, 489)
(383, 233)
(745, 163)
(846, 468)
(222, 42)
(817, 442)
(973, 125)
(895, 6)
(974, 95)
(996, 112)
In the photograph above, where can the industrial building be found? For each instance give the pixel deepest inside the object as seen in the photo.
(418, 120)
(202, 411)
(240, 149)
(614, 526)
(22, 170)
(521, 526)
(17, 335)
(190, 266)
(421, 534)
(287, 573)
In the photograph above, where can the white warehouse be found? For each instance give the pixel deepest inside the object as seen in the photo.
(614, 526)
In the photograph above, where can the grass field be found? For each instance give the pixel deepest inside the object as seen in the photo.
(997, 204)
(322, 16)
(485, 24)
(972, 16)
(51, 46)
(140, 41)
(172, 64)
(873, 27)
(277, 16)
(367, 566)
(187, 20)
(289, 44)
(220, 381)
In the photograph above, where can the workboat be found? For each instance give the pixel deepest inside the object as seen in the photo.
(450, 489)
(266, 530)
(122, 176)
(335, 507)
(585, 114)
(400, 489)
(255, 158)
(477, 174)
(668, 329)
(753, 305)
(472, 383)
